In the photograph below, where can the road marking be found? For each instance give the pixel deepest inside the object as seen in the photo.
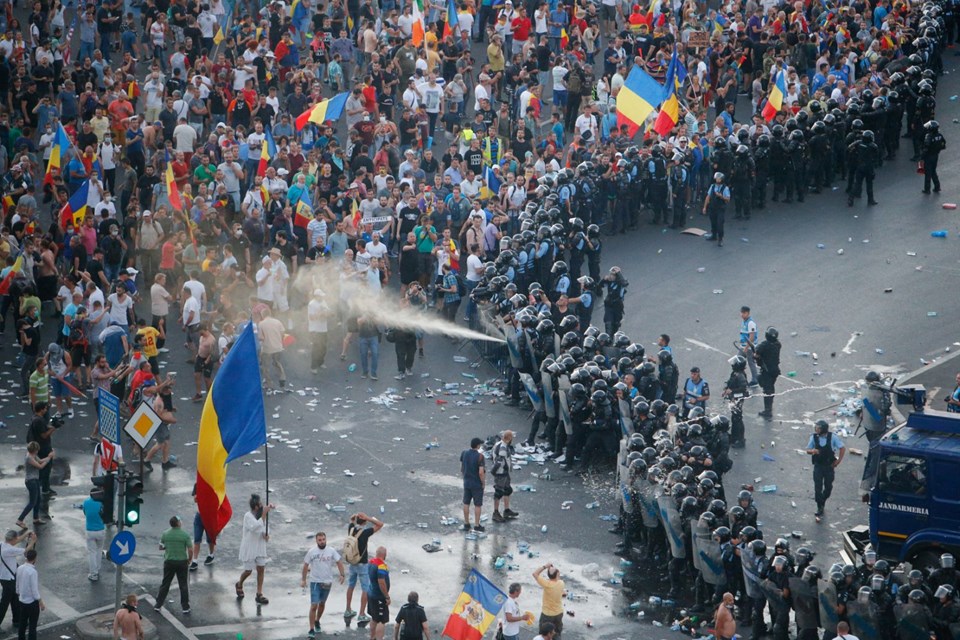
(853, 336)
(704, 345)
(235, 628)
(58, 607)
(169, 617)
(63, 621)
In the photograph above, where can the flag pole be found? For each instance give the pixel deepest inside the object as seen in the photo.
(266, 464)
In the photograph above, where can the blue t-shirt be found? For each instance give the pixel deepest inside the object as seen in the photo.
(835, 443)
(378, 570)
(472, 460)
(91, 509)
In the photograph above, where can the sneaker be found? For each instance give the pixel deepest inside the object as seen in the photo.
(69, 413)
(363, 618)
(186, 611)
(465, 527)
(316, 626)
(49, 492)
(363, 376)
(157, 609)
(93, 577)
(400, 377)
(374, 378)
(479, 527)
(510, 513)
(311, 633)
(349, 613)
(208, 561)
(497, 517)
(194, 566)
(420, 351)
(314, 371)
(148, 465)
(169, 464)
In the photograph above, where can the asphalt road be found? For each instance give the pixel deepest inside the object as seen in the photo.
(822, 302)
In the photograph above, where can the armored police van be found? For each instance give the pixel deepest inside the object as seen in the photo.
(915, 496)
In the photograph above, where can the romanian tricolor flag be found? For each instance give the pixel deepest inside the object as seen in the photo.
(638, 97)
(267, 150)
(8, 279)
(58, 152)
(419, 29)
(775, 99)
(173, 193)
(491, 184)
(76, 208)
(231, 426)
(475, 609)
(670, 109)
(218, 37)
(297, 12)
(304, 212)
(564, 39)
(453, 20)
(330, 109)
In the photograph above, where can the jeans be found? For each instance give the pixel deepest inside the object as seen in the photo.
(33, 503)
(822, 483)
(319, 352)
(94, 547)
(471, 310)
(86, 51)
(747, 353)
(179, 569)
(369, 346)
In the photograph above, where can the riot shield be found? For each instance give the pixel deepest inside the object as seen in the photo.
(623, 478)
(827, 599)
(563, 387)
(913, 621)
(549, 406)
(805, 606)
(698, 533)
(672, 525)
(773, 594)
(532, 391)
(513, 345)
(864, 620)
(647, 503)
(626, 422)
(751, 579)
(711, 561)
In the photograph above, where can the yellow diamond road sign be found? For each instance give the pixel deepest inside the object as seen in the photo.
(142, 424)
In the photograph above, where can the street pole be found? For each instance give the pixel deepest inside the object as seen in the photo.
(118, 568)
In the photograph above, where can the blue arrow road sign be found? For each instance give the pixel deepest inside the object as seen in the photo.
(122, 547)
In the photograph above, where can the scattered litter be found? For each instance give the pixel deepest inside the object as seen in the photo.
(348, 473)
(461, 359)
(941, 233)
(593, 505)
(718, 291)
(701, 269)
(949, 206)
(433, 548)
(821, 246)
(791, 374)
(543, 529)
(839, 252)
(744, 240)
(888, 290)
(768, 458)
(566, 505)
(866, 241)
(912, 254)
(335, 507)
(769, 488)
(856, 452)
(931, 314)
(879, 351)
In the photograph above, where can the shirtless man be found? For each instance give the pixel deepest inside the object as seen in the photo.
(127, 624)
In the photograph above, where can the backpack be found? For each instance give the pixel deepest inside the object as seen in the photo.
(351, 547)
(77, 335)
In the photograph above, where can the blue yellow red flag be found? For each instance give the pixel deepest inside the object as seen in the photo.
(638, 97)
(775, 99)
(232, 425)
(330, 109)
(475, 609)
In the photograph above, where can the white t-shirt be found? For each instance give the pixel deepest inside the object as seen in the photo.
(321, 563)
(317, 323)
(474, 263)
(119, 308)
(377, 250)
(511, 628)
(265, 284)
(196, 288)
(191, 304)
(11, 555)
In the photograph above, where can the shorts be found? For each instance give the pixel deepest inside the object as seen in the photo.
(162, 434)
(608, 12)
(199, 532)
(501, 486)
(474, 495)
(203, 366)
(58, 389)
(319, 592)
(378, 610)
(193, 334)
(250, 565)
(80, 354)
(359, 571)
(352, 326)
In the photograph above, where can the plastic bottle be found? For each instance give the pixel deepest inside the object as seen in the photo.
(941, 233)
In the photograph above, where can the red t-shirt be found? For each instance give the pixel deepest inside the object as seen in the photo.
(167, 255)
(521, 29)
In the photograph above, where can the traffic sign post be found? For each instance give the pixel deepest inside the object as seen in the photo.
(142, 424)
(108, 415)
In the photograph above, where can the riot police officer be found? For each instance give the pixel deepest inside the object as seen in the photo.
(868, 158)
(797, 152)
(827, 451)
(736, 392)
(761, 161)
(767, 355)
(616, 286)
(873, 418)
(742, 181)
(657, 190)
(933, 144)
(718, 195)
(679, 177)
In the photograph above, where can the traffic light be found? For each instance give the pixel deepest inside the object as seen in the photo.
(132, 501)
(104, 490)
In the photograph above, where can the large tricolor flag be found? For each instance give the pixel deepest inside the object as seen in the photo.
(419, 28)
(670, 109)
(267, 150)
(475, 609)
(231, 426)
(173, 193)
(453, 20)
(8, 279)
(58, 153)
(329, 109)
(76, 208)
(491, 184)
(638, 97)
(775, 99)
(304, 211)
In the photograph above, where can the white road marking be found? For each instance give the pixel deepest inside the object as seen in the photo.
(853, 336)
(704, 345)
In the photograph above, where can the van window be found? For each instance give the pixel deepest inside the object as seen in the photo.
(904, 475)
